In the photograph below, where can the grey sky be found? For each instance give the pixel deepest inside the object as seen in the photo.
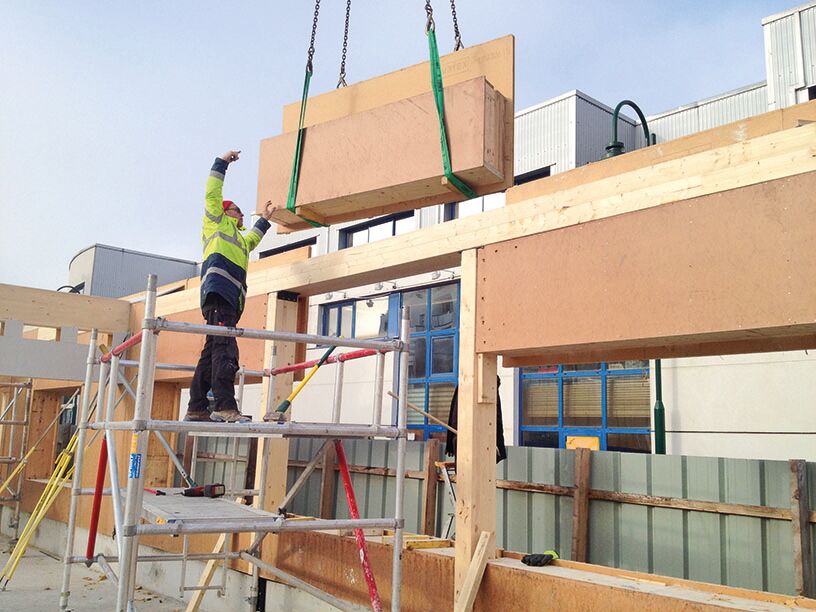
(112, 112)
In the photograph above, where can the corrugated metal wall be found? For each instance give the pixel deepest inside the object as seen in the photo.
(119, 272)
(742, 103)
(790, 54)
(594, 130)
(545, 136)
(741, 551)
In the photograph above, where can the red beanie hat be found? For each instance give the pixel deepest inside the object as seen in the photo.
(226, 204)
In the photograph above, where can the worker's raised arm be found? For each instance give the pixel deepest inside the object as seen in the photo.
(213, 199)
(261, 225)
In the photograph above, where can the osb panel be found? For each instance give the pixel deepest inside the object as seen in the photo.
(731, 266)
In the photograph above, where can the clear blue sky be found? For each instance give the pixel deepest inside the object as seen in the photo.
(112, 112)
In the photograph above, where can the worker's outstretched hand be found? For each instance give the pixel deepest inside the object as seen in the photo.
(231, 156)
(269, 209)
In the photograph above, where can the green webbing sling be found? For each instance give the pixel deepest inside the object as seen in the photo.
(439, 98)
(293, 180)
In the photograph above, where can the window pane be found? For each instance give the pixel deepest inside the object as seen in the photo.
(627, 401)
(371, 318)
(493, 201)
(470, 207)
(635, 364)
(359, 237)
(582, 402)
(439, 399)
(331, 321)
(416, 395)
(442, 355)
(405, 225)
(582, 367)
(416, 363)
(544, 439)
(540, 402)
(346, 320)
(545, 369)
(380, 231)
(631, 443)
(443, 307)
(418, 303)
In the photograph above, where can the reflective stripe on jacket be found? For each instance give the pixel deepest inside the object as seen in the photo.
(226, 249)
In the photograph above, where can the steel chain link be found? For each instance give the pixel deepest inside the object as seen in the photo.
(341, 82)
(429, 22)
(310, 54)
(457, 36)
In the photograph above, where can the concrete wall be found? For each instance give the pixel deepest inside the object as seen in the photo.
(749, 406)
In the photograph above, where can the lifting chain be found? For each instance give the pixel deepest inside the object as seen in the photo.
(310, 54)
(341, 82)
(456, 35)
(429, 22)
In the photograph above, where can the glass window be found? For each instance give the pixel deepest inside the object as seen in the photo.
(544, 439)
(416, 395)
(582, 367)
(442, 351)
(371, 320)
(416, 362)
(540, 401)
(331, 321)
(443, 303)
(469, 208)
(347, 320)
(378, 232)
(582, 402)
(627, 401)
(403, 226)
(439, 399)
(629, 443)
(417, 301)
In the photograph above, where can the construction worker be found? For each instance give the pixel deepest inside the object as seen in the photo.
(223, 292)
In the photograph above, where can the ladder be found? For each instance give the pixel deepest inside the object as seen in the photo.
(448, 470)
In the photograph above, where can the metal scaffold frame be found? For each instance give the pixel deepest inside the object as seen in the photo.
(15, 453)
(204, 515)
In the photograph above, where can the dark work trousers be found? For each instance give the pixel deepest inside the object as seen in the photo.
(218, 363)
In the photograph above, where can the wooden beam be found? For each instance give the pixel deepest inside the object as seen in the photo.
(476, 442)
(580, 505)
(57, 309)
(737, 261)
(429, 487)
(387, 159)
(473, 579)
(802, 545)
(732, 133)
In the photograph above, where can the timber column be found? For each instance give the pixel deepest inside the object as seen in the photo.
(476, 442)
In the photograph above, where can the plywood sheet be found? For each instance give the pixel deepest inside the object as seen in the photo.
(730, 266)
(387, 159)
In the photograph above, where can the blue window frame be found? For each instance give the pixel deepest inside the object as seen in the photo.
(607, 400)
(434, 366)
(376, 229)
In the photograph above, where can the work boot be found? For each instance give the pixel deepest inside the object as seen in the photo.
(229, 416)
(197, 415)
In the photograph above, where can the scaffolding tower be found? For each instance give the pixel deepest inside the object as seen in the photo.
(14, 449)
(176, 515)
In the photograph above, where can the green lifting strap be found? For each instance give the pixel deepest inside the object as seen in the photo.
(293, 180)
(439, 97)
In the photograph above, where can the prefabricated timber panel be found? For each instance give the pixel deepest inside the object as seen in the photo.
(730, 267)
(387, 159)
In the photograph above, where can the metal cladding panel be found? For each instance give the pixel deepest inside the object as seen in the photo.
(119, 272)
(594, 131)
(790, 54)
(743, 103)
(543, 136)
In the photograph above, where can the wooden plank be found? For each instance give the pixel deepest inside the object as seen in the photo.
(473, 579)
(429, 487)
(693, 253)
(57, 309)
(802, 545)
(476, 442)
(387, 159)
(580, 505)
(739, 131)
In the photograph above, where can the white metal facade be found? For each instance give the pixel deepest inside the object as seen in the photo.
(790, 55)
